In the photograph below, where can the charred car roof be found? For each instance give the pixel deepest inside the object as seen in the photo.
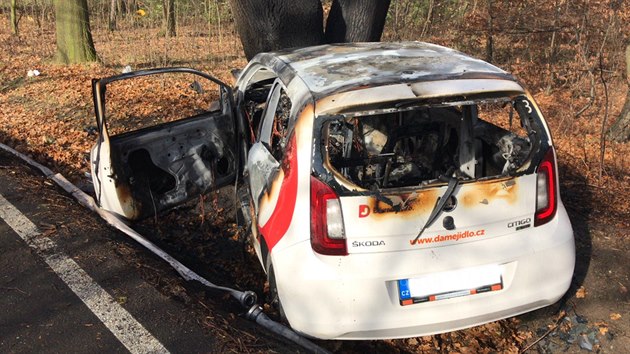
(344, 67)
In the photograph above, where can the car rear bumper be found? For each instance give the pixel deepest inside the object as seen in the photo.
(356, 297)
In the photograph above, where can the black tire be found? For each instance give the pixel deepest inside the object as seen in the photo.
(274, 299)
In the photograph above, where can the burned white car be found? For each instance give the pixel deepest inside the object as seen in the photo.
(392, 189)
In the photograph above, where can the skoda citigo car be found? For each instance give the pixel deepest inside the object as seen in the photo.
(392, 189)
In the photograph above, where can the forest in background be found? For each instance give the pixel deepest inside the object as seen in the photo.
(571, 54)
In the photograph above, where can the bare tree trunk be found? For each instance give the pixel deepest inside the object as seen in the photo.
(356, 20)
(74, 37)
(490, 38)
(219, 24)
(427, 22)
(620, 130)
(14, 19)
(129, 9)
(112, 15)
(169, 17)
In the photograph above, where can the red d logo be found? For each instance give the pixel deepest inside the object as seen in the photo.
(364, 210)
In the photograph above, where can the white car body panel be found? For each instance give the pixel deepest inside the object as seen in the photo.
(476, 212)
(356, 297)
(106, 190)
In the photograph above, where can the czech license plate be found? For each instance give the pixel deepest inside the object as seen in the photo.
(447, 285)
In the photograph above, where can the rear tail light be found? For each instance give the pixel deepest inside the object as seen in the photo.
(546, 189)
(327, 231)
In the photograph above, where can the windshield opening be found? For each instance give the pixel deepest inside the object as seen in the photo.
(424, 144)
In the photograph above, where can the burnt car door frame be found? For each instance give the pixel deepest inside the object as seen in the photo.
(262, 166)
(212, 150)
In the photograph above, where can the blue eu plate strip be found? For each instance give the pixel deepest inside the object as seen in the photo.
(403, 289)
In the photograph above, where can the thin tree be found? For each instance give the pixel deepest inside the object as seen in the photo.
(490, 34)
(620, 130)
(169, 17)
(14, 19)
(113, 9)
(74, 38)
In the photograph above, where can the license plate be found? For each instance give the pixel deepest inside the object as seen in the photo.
(447, 285)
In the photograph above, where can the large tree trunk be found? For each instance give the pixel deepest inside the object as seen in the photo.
(14, 19)
(74, 38)
(266, 25)
(169, 17)
(356, 20)
(620, 130)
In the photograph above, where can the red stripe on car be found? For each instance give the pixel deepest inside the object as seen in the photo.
(281, 217)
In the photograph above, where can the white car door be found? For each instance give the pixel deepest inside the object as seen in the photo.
(177, 140)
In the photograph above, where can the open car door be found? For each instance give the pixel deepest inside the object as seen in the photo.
(167, 136)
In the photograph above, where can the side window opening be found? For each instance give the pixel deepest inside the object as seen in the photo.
(419, 145)
(280, 126)
(276, 118)
(504, 141)
(147, 101)
(255, 101)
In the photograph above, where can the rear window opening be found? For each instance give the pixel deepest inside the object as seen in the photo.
(414, 146)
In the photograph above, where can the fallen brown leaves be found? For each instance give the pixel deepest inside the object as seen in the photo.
(580, 293)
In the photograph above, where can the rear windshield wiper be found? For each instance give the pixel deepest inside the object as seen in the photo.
(439, 206)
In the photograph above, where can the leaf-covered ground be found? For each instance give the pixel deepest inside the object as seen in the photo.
(51, 117)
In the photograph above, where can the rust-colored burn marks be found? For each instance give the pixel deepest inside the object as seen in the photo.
(405, 205)
(304, 124)
(278, 201)
(131, 207)
(282, 215)
(272, 192)
(422, 202)
(361, 95)
(486, 192)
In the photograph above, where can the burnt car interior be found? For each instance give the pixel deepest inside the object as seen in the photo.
(255, 101)
(280, 130)
(254, 105)
(391, 148)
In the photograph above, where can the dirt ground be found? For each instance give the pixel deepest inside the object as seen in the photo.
(50, 118)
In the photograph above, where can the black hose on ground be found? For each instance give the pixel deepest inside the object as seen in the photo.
(257, 315)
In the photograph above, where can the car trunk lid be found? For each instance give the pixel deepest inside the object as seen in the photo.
(477, 211)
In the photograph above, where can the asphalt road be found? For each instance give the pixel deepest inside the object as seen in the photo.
(71, 284)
